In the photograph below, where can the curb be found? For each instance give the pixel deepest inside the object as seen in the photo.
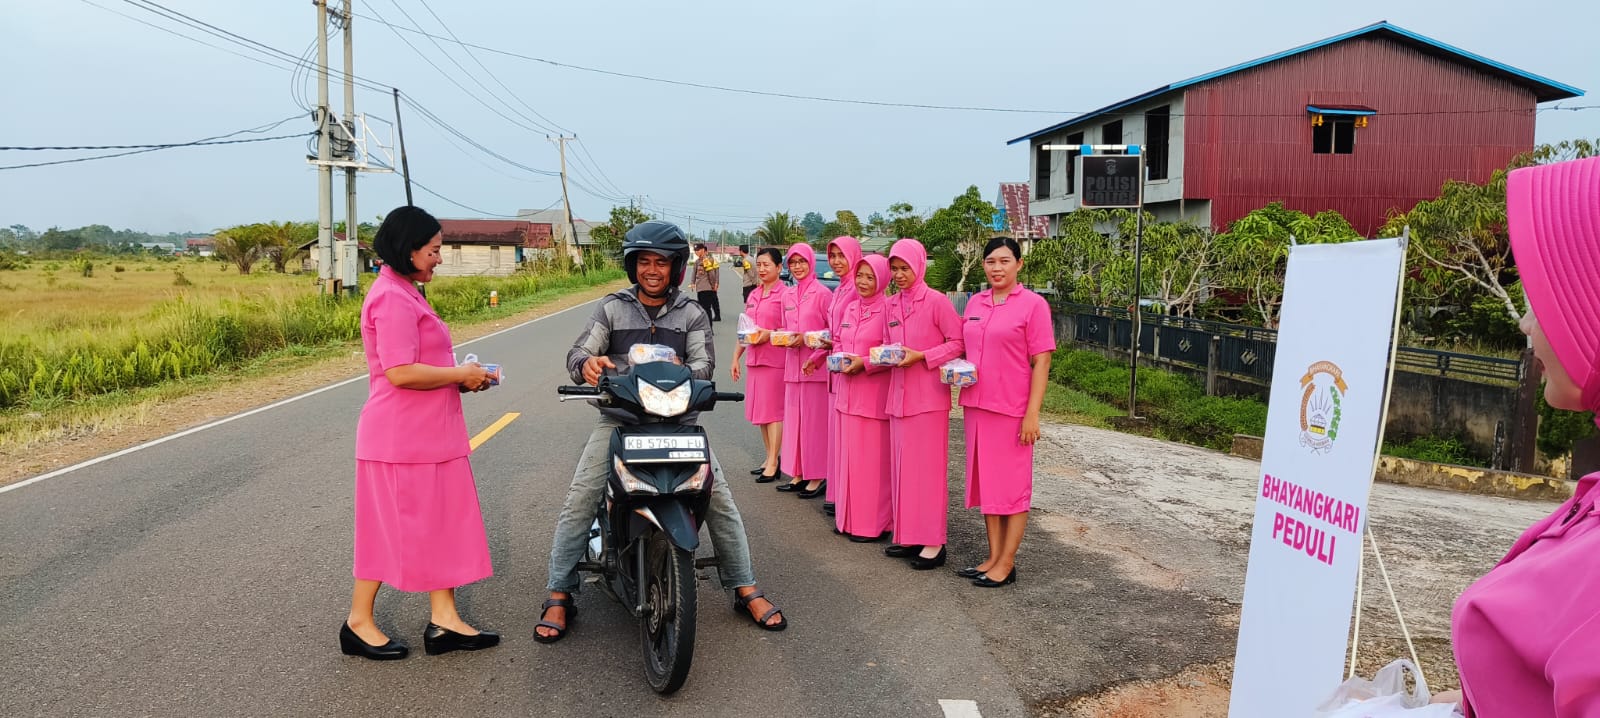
(1430, 475)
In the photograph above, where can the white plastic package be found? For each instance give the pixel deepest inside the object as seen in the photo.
(646, 353)
(819, 339)
(887, 355)
(746, 327)
(781, 338)
(1385, 696)
(494, 369)
(839, 361)
(958, 373)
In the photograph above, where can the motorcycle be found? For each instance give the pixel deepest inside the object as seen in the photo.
(647, 526)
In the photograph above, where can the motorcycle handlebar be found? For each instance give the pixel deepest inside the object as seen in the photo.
(578, 390)
(729, 396)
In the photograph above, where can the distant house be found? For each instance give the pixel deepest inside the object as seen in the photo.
(1015, 221)
(493, 247)
(201, 246)
(556, 219)
(308, 256)
(1366, 122)
(159, 247)
(877, 245)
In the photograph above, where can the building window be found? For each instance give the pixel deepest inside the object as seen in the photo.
(1041, 173)
(455, 254)
(1333, 137)
(1157, 145)
(1075, 139)
(1111, 134)
(494, 255)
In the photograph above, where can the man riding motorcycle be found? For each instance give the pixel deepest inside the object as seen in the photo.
(652, 311)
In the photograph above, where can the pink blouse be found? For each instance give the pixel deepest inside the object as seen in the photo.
(406, 426)
(767, 312)
(1000, 341)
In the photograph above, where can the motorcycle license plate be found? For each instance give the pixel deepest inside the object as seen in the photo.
(661, 448)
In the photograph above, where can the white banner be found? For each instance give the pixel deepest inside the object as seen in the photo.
(1316, 472)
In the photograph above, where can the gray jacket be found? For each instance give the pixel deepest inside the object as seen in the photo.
(620, 322)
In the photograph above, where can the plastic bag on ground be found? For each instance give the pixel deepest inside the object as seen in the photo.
(646, 353)
(887, 355)
(958, 372)
(1384, 696)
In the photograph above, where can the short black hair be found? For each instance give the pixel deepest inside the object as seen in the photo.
(1007, 242)
(744, 248)
(405, 230)
(701, 245)
(773, 253)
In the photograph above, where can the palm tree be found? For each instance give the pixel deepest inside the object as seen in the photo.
(780, 230)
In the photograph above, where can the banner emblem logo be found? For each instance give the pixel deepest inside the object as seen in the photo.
(1320, 406)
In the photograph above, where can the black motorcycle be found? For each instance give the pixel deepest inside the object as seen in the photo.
(647, 526)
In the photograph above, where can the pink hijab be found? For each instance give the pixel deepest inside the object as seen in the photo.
(801, 286)
(1553, 217)
(879, 266)
(850, 247)
(912, 253)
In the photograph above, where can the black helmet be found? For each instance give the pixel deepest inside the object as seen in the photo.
(661, 237)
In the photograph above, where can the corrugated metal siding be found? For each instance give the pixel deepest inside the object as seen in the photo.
(1247, 137)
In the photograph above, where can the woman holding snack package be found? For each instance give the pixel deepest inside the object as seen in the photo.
(805, 406)
(864, 510)
(1527, 635)
(418, 526)
(843, 254)
(923, 331)
(1008, 338)
(764, 389)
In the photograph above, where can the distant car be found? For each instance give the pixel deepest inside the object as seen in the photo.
(825, 276)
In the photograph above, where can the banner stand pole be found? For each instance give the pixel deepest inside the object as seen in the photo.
(1383, 422)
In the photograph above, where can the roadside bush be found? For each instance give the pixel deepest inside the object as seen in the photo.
(1448, 450)
(1173, 402)
(1560, 430)
(119, 268)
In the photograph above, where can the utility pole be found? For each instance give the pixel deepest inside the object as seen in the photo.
(349, 251)
(324, 159)
(405, 167)
(570, 248)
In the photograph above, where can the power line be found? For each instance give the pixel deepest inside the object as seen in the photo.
(217, 140)
(558, 128)
(438, 122)
(469, 208)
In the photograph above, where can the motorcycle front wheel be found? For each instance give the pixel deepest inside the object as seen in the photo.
(668, 622)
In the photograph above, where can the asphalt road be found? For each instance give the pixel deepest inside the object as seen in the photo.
(208, 575)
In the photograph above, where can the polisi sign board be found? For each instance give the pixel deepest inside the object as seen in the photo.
(1111, 180)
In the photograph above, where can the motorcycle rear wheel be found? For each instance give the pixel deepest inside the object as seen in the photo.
(667, 627)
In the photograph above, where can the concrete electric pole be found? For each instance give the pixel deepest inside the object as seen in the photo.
(324, 159)
(571, 246)
(349, 252)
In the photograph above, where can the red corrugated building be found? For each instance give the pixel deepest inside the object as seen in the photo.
(1365, 123)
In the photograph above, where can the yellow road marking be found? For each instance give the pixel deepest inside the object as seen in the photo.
(493, 429)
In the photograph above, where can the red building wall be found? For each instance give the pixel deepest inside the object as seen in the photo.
(1247, 136)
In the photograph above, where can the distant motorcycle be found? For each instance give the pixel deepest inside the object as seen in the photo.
(647, 527)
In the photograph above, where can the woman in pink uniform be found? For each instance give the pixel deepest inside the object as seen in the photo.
(926, 324)
(805, 406)
(417, 522)
(764, 390)
(843, 253)
(862, 460)
(1527, 635)
(1009, 337)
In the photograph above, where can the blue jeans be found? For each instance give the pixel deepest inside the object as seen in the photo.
(583, 499)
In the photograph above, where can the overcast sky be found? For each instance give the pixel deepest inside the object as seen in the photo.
(76, 74)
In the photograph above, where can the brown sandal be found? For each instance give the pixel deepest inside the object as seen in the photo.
(741, 604)
(560, 630)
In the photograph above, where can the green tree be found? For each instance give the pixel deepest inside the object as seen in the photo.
(845, 223)
(960, 230)
(1254, 252)
(608, 237)
(814, 225)
(904, 220)
(877, 225)
(58, 239)
(281, 242)
(242, 246)
(779, 230)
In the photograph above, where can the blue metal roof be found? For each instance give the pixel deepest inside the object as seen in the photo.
(1545, 90)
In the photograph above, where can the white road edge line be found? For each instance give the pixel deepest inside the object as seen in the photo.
(959, 709)
(252, 412)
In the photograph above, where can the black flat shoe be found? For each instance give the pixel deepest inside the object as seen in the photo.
(792, 487)
(829, 509)
(869, 539)
(352, 645)
(437, 640)
(969, 572)
(983, 580)
(768, 478)
(926, 564)
(822, 488)
(757, 470)
(895, 550)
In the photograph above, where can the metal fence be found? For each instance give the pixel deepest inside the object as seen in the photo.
(1244, 351)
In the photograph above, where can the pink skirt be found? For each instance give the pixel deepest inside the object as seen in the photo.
(919, 467)
(864, 506)
(999, 467)
(835, 474)
(418, 526)
(805, 430)
(763, 394)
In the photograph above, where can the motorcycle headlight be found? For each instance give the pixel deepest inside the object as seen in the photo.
(664, 403)
(630, 483)
(696, 482)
